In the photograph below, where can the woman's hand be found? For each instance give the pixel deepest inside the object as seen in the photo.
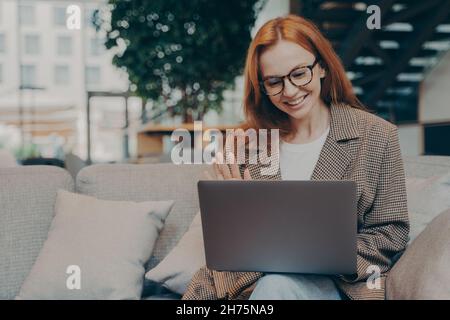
(223, 172)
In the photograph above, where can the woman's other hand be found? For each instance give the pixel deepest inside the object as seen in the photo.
(229, 172)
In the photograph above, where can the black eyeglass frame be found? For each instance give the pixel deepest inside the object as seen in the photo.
(310, 67)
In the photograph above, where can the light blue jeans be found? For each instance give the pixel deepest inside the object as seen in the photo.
(295, 287)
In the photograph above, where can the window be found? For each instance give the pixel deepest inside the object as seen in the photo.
(64, 45)
(59, 16)
(27, 16)
(32, 44)
(28, 76)
(92, 75)
(436, 143)
(62, 76)
(96, 46)
(2, 43)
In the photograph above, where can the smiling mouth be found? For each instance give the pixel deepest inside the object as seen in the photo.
(296, 101)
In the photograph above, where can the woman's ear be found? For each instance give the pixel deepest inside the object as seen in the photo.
(322, 71)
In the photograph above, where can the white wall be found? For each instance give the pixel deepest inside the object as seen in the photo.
(411, 139)
(435, 93)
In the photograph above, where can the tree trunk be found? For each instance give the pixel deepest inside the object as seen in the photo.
(187, 115)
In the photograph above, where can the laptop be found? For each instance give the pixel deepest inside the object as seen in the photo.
(279, 226)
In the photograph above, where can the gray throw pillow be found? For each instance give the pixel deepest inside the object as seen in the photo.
(423, 270)
(96, 249)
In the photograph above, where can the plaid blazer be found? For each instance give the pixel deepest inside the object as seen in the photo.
(360, 147)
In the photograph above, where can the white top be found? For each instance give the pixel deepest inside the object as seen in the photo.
(297, 161)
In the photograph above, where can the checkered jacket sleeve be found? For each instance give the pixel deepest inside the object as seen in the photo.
(385, 230)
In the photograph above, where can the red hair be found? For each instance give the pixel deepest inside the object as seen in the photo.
(336, 87)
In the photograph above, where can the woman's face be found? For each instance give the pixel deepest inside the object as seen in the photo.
(280, 60)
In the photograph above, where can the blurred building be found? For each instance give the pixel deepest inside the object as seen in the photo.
(46, 70)
(401, 71)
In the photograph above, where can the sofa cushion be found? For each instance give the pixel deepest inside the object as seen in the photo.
(95, 249)
(423, 270)
(426, 200)
(27, 197)
(7, 159)
(426, 184)
(149, 182)
(426, 166)
(155, 291)
(167, 296)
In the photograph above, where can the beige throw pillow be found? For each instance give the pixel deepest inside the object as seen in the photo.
(423, 272)
(176, 270)
(96, 249)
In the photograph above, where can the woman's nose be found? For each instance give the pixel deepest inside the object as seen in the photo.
(289, 89)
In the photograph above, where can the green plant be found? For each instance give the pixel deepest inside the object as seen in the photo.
(180, 54)
(29, 150)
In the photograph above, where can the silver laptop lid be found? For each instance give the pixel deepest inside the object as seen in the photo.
(279, 226)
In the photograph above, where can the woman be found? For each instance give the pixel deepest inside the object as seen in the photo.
(294, 81)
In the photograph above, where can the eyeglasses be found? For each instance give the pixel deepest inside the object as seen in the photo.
(299, 77)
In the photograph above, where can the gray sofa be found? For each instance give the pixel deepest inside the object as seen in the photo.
(27, 196)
